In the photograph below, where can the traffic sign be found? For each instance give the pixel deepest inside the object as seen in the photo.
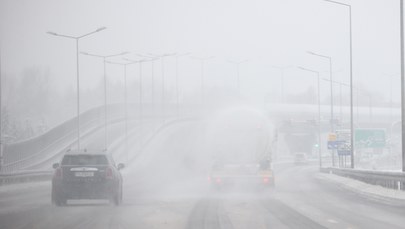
(332, 137)
(344, 152)
(343, 134)
(334, 144)
(369, 138)
(344, 149)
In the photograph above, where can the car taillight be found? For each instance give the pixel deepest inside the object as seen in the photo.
(265, 180)
(109, 173)
(209, 179)
(218, 180)
(58, 173)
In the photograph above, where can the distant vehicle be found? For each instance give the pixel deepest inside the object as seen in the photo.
(87, 176)
(300, 159)
(251, 175)
(242, 144)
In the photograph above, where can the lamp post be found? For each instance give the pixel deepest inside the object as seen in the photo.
(104, 57)
(177, 83)
(351, 78)
(332, 129)
(319, 114)
(153, 84)
(202, 61)
(152, 60)
(162, 58)
(282, 69)
(125, 104)
(77, 38)
(140, 62)
(402, 81)
(237, 63)
(370, 102)
(332, 120)
(1, 118)
(340, 97)
(391, 115)
(358, 90)
(140, 87)
(340, 87)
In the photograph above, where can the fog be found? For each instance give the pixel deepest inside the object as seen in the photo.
(201, 114)
(267, 33)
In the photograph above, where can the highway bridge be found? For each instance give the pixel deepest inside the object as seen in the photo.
(165, 186)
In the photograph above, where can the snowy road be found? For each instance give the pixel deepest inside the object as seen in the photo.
(166, 188)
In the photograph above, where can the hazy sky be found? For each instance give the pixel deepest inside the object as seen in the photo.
(267, 32)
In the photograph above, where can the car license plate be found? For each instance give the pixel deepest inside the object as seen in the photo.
(84, 174)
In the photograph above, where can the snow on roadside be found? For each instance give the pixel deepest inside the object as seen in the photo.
(23, 186)
(376, 192)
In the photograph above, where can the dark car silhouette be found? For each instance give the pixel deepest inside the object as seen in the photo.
(87, 176)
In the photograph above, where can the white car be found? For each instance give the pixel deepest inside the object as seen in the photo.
(300, 158)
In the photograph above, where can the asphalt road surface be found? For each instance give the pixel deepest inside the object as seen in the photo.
(166, 187)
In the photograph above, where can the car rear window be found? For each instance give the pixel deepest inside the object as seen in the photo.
(85, 160)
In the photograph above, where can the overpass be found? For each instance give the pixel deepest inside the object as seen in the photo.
(166, 187)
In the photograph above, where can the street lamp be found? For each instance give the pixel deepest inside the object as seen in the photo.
(162, 57)
(340, 97)
(237, 63)
(341, 114)
(351, 78)
(282, 69)
(402, 81)
(152, 60)
(140, 94)
(77, 73)
(104, 57)
(177, 83)
(391, 115)
(332, 120)
(319, 114)
(1, 120)
(370, 100)
(331, 88)
(125, 104)
(140, 85)
(202, 60)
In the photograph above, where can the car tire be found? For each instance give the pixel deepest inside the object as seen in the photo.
(117, 198)
(57, 199)
(53, 198)
(60, 202)
(121, 195)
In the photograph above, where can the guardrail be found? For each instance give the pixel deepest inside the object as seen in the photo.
(19, 155)
(35, 175)
(24, 176)
(15, 154)
(387, 179)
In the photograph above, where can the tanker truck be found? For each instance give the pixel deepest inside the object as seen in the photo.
(242, 145)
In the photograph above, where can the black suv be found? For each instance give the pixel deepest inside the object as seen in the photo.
(87, 176)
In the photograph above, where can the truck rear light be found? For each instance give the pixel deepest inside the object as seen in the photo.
(218, 180)
(265, 180)
(108, 173)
